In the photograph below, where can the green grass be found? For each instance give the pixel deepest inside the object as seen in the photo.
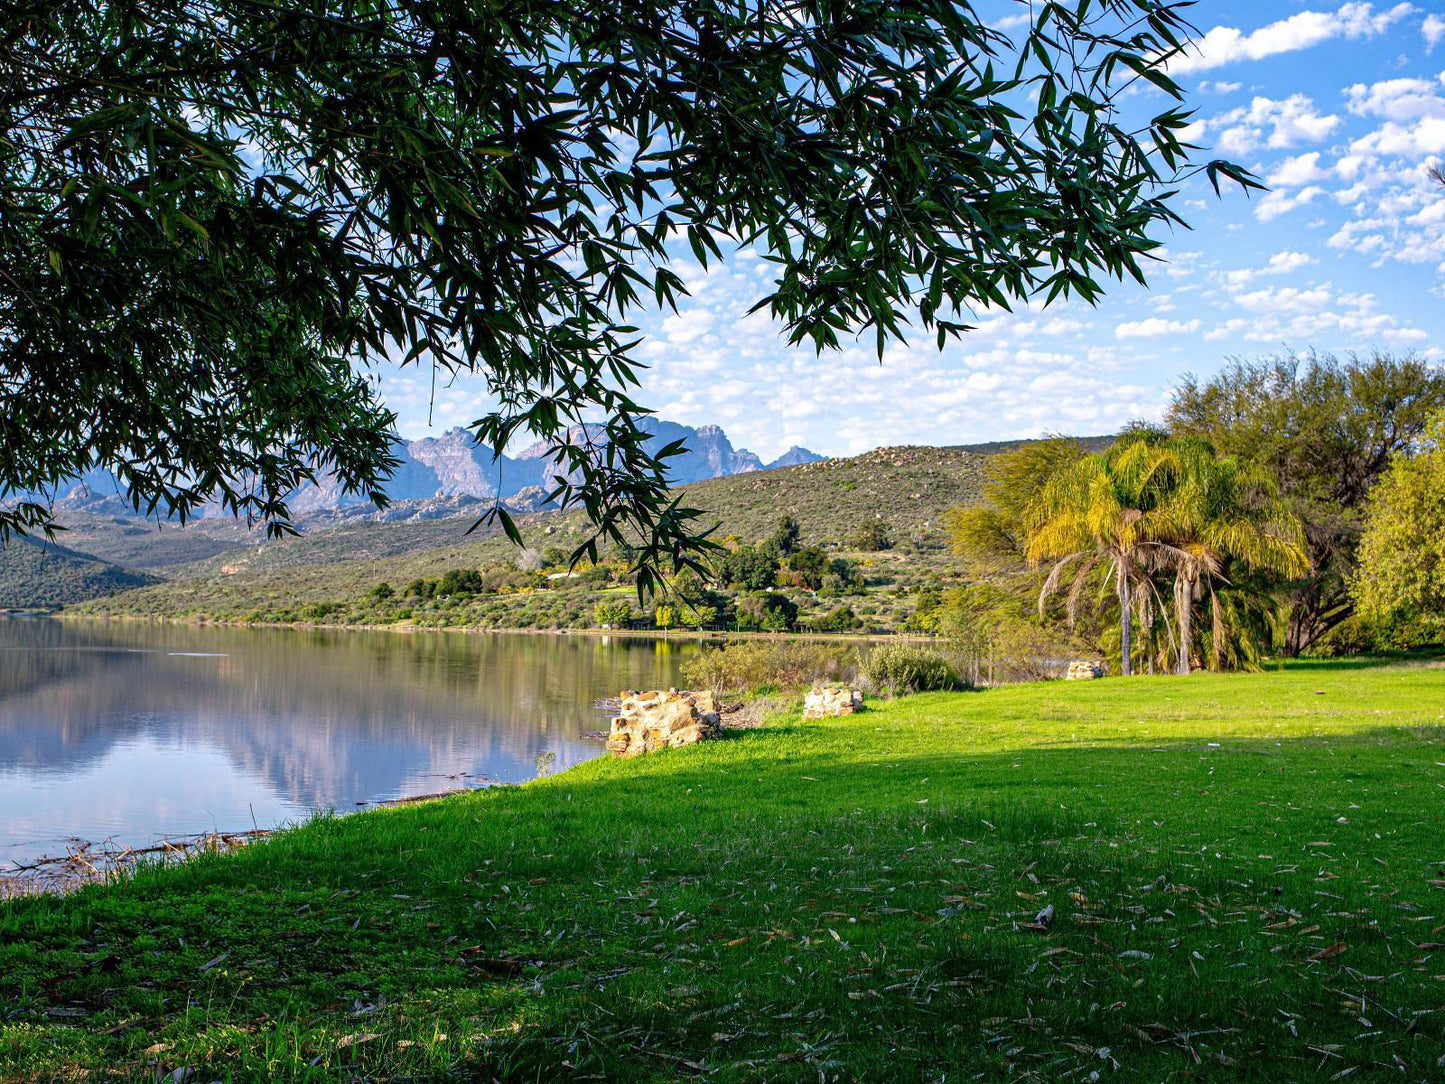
(1248, 874)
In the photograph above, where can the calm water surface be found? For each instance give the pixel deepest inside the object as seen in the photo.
(131, 733)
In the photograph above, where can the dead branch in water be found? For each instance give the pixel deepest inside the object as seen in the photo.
(89, 863)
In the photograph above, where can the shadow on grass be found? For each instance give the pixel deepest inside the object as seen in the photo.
(1432, 654)
(602, 915)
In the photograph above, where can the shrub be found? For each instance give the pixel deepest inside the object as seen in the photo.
(382, 591)
(596, 577)
(771, 612)
(873, 535)
(612, 613)
(751, 568)
(808, 566)
(461, 581)
(838, 619)
(758, 666)
(901, 668)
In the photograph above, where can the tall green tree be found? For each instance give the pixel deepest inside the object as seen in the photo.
(1216, 512)
(1402, 550)
(1101, 511)
(990, 535)
(212, 213)
(1326, 430)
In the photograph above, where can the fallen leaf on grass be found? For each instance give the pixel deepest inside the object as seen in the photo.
(1331, 952)
(356, 1040)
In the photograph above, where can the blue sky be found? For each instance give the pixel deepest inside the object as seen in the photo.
(1339, 107)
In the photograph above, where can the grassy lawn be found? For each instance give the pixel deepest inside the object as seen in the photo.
(1248, 874)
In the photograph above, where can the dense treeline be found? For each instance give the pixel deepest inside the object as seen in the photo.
(1254, 521)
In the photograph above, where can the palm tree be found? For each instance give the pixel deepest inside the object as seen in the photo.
(1099, 513)
(1213, 512)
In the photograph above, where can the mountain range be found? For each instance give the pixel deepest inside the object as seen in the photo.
(453, 470)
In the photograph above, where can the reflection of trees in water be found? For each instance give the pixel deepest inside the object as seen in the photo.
(37, 651)
(326, 717)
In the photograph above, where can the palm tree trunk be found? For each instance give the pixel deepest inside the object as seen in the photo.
(1216, 659)
(1126, 663)
(1184, 615)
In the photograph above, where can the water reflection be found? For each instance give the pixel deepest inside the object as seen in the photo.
(137, 731)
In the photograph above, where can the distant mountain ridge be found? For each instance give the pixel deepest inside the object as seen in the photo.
(451, 468)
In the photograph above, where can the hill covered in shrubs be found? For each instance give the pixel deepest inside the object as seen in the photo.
(868, 549)
(37, 575)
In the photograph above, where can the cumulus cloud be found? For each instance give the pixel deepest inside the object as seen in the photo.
(1296, 172)
(1416, 140)
(1286, 262)
(1397, 99)
(1433, 29)
(1154, 327)
(1317, 315)
(1282, 201)
(1229, 45)
(1269, 122)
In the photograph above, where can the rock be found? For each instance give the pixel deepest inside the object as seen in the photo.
(654, 720)
(823, 701)
(1084, 670)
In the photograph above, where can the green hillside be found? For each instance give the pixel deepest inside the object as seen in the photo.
(908, 488)
(35, 575)
(137, 543)
(331, 575)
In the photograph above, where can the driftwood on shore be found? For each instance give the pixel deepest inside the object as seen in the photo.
(85, 863)
(98, 863)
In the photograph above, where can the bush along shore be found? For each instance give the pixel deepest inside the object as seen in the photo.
(1237, 877)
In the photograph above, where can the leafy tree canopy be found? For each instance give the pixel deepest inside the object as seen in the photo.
(1326, 429)
(211, 214)
(1402, 550)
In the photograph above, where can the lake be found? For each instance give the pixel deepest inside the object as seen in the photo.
(132, 733)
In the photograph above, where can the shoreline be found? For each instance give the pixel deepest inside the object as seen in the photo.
(406, 627)
(89, 862)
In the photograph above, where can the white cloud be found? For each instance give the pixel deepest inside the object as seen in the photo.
(1281, 263)
(1228, 45)
(1154, 327)
(1206, 87)
(687, 325)
(1284, 300)
(1396, 99)
(1433, 28)
(1269, 122)
(1318, 316)
(1296, 172)
(1416, 140)
(1282, 201)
